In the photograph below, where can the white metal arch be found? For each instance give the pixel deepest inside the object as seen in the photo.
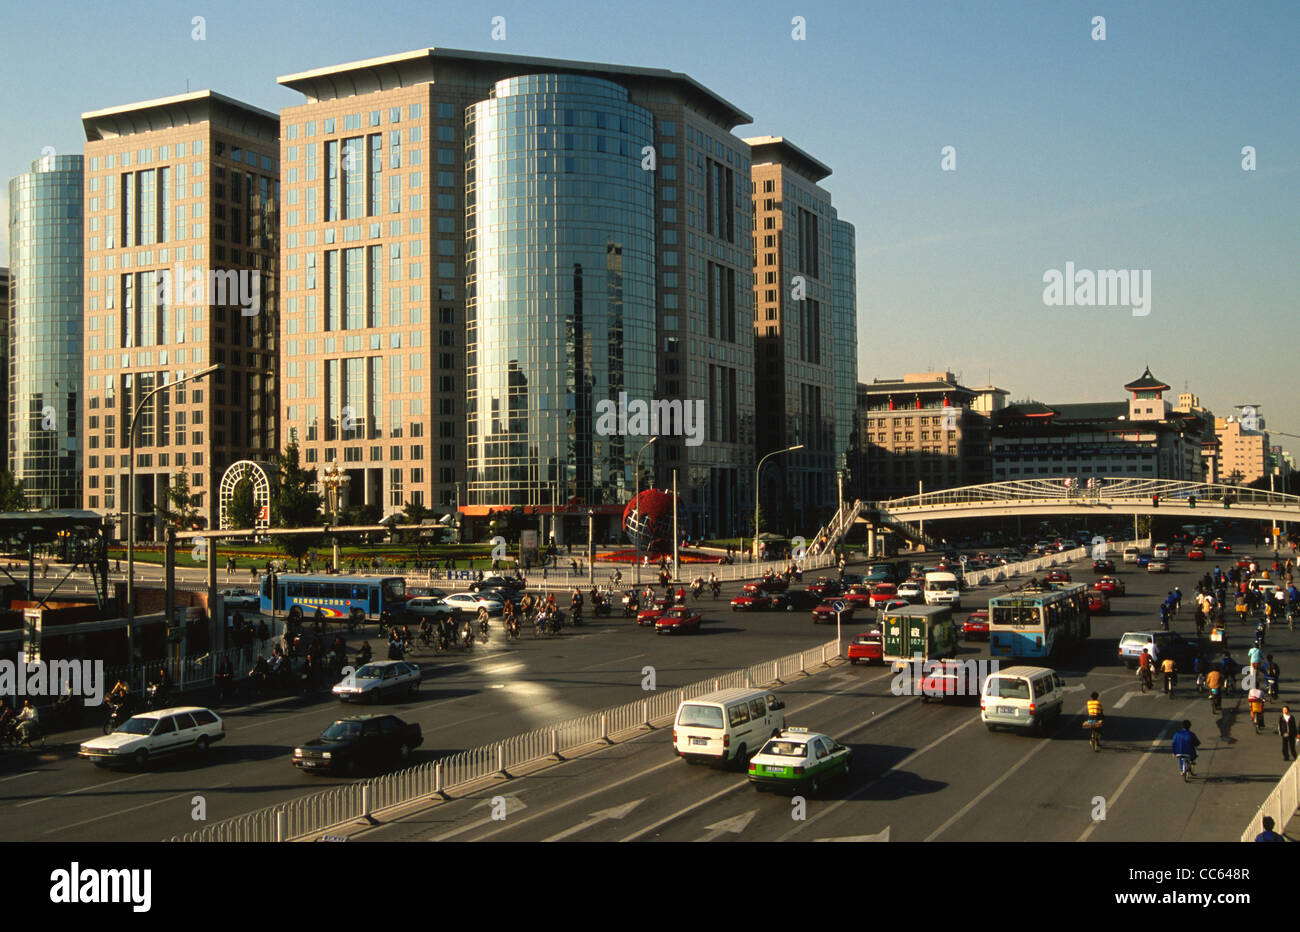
(255, 473)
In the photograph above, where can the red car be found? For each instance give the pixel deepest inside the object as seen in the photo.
(826, 612)
(678, 620)
(1243, 563)
(1199, 542)
(1058, 576)
(1196, 553)
(945, 679)
(824, 586)
(1098, 603)
(867, 646)
(882, 593)
(773, 582)
(751, 598)
(859, 596)
(976, 625)
(1110, 585)
(648, 616)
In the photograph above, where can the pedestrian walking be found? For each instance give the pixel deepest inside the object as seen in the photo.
(1286, 727)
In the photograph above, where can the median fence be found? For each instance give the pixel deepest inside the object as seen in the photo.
(1011, 570)
(1281, 804)
(188, 673)
(320, 812)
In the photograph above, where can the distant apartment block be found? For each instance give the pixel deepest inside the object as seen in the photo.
(1243, 451)
(42, 325)
(177, 189)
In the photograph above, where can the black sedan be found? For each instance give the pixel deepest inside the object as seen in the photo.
(508, 583)
(359, 741)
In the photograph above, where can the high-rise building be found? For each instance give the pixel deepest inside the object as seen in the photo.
(44, 339)
(796, 322)
(1243, 449)
(5, 316)
(844, 326)
(485, 252)
(182, 261)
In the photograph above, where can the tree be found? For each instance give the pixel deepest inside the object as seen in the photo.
(242, 512)
(414, 512)
(177, 507)
(13, 497)
(295, 503)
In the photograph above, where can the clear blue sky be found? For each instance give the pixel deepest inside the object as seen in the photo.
(1115, 154)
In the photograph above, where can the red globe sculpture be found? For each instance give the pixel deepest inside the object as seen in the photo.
(648, 521)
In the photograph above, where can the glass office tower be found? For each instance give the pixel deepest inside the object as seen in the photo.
(560, 266)
(45, 363)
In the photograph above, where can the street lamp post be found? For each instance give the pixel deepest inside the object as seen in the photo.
(758, 469)
(637, 568)
(130, 521)
(333, 480)
(591, 547)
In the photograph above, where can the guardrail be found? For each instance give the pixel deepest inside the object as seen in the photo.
(1000, 573)
(320, 812)
(1281, 804)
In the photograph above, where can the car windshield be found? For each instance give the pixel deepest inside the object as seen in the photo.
(369, 672)
(700, 716)
(138, 726)
(342, 730)
(1004, 687)
(786, 749)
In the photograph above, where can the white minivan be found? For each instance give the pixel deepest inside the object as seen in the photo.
(729, 725)
(1160, 552)
(1022, 697)
(1131, 554)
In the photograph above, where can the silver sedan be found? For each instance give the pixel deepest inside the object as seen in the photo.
(379, 680)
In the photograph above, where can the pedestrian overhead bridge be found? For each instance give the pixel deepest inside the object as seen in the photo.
(1027, 497)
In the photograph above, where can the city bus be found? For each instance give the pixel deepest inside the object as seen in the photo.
(1040, 622)
(352, 599)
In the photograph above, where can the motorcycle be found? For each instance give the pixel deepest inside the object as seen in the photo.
(1270, 686)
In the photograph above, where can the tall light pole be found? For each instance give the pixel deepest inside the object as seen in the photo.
(591, 547)
(758, 469)
(130, 521)
(637, 569)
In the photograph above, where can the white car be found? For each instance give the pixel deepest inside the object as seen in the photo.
(912, 591)
(241, 600)
(379, 680)
(428, 606)
(143, 737)
(468, 603)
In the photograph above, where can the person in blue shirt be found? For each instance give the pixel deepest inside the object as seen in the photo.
(1268, 834)
(1185, 741)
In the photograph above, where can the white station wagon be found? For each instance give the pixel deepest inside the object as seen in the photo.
(143, 737)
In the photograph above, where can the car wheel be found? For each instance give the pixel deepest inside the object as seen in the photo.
(404, 752)
(140, 758)
(376, 697)
(814, 786)
(350, 766)
(854, 661)
(991, 726)
(415, 688)
(202, 744)
(739, 760)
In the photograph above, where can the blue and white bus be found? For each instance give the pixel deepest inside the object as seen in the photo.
(1039, 623)
(352, 599)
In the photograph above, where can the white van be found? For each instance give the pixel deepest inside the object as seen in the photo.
(1131, 554)
(942, 588)
(1160, 552)
(730, 725)
(1022, 697)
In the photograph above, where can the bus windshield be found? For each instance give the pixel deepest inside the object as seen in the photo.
(1015, 615)
(394, 590)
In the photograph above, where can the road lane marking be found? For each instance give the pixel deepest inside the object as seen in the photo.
(569, 802)
(616, 813)
(879, 836)
(986, 791)
(32, 802)
(119, 812)
(1155, 743)
(17, 775)
(894, 769)
(734, 826)
(1123, 700)
(681, 812)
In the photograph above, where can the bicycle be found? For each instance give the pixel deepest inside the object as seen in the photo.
(33, 738)
(1144, 678)
(1094, 733)
(1186, 766)
(1170, 680)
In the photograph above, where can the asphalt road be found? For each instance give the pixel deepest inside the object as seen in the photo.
(921, 771)
(467, 700)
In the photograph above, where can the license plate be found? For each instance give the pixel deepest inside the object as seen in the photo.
(770, 769)
(1006, 710)
(700, 741)
(312, 763)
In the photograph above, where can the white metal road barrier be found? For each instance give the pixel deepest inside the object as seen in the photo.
(1281, 804)
(311, 815)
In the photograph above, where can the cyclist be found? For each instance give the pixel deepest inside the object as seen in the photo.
(1170, 670)
(1144, 667)
(1185, 743)
(1271, 676)
(1214, 683)
(1095, 713)
(1256, 699)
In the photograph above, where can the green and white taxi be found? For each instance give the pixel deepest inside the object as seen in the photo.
(800, 760)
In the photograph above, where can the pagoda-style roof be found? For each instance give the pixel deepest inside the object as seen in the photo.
(1146, 383)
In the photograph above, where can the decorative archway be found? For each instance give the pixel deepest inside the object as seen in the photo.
(255, 473)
